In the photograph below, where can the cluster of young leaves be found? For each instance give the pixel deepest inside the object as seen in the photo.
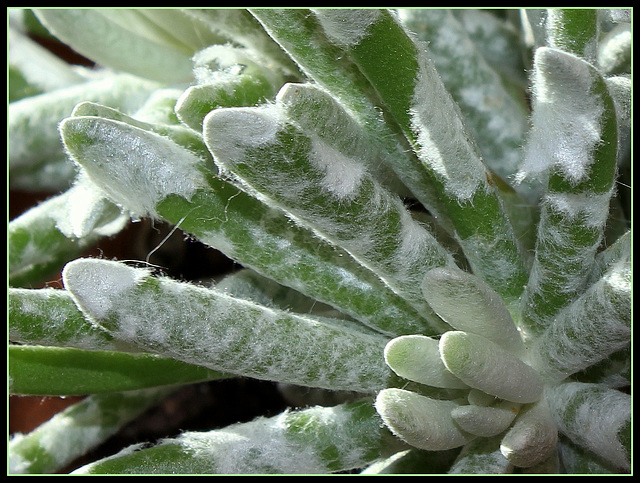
(410, 229)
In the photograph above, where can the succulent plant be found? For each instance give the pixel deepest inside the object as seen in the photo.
(428, 211)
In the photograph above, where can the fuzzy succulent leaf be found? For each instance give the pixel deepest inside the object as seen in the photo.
(595, 417)
(329, 439)
(76, 430)
(124, 40)
(420, 421)
(424, 217)
(186, 192)
(486, 366)
(341, 201)
(410, 87)
(580, 165)
(109, 293)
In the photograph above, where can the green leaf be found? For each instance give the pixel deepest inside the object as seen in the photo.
(467, 303)
(65, 371)
(485, 421)
(149, 172)
(420, 421)
(574, 30)
(595, 417)
(412, 91)
(33, 134)
(486, 366)
(573, 144)
(78, 429)
(315, 440)
(329, 192)
(209, 328)
(226, 76)
(417, 358)
(532, 438)
(50, 317)
(481, 456)
(301, 35)
(239, 27)
(596, 325)
(39, 68)
(48, 235)
(494, 110)
(614, 50)
(120, 39)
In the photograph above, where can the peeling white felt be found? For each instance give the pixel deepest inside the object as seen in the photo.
(486, 366)
(532, 438)
(346, 27)
(235, 129)
(96, 291)
(592, 415)
(86, 209)
(342, 175)
(467, 303)
(135, 168)
(420, 421)
(567, 115)
(443, 142)
(417, 358)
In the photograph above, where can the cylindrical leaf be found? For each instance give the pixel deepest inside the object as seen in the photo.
(589, 330)
(75, 431)
(209, 328)
(148, 173)
(328, 191)
(467, 303)
(595, 417)
(412, 91)
(113, 39)
(486, 366)
(420, 421)
(532, 438)
(63, 371)
(573, 144)
(315, 440)
(417, 358)
(485, 421)
(481, 456)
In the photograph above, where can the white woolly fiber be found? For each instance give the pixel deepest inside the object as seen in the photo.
(136, 168)
(566, 116)
(443, 143)
(342, 175)
(272, 445)
(347, 27)
(97, 291)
